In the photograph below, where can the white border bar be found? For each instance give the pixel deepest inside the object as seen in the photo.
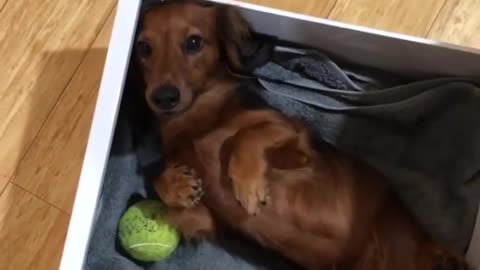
(101, 134)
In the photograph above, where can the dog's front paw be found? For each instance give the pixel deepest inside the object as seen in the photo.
(179, 186)
(250, 187)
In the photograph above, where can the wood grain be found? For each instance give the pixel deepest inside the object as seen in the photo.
(2, 4)
(33, 72)
(403, 16)
(32, 232)
(458, 23)
(319, 8)
(52, 166)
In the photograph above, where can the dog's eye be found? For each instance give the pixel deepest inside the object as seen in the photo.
(144, 49)
(193, 44)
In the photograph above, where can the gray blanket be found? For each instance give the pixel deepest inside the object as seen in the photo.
(422, 135)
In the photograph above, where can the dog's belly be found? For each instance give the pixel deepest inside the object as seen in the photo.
(319, 215)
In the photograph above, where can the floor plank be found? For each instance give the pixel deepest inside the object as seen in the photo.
(51, 167)
(32, 232)
(458, 23)
(33, 71)
(403, 16)
(319, 8)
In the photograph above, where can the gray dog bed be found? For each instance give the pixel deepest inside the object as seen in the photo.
(423, 135)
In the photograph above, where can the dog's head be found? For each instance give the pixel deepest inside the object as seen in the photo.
(182, 46)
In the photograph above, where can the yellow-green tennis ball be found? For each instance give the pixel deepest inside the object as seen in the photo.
(144, 233)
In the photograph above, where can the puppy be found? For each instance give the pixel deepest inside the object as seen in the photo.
(248, 167)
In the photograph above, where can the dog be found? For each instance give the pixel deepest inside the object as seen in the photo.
(248, 167)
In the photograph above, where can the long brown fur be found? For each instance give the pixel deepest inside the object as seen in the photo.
(255, 170)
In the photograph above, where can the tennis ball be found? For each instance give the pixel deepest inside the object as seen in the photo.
(144, 233)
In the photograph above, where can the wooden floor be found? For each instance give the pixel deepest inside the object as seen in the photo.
(51, 59)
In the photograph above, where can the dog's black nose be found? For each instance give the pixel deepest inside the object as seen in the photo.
(166, 97)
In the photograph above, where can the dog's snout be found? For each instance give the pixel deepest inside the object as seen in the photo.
(166, 97)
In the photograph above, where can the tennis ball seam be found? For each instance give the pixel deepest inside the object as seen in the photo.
(149, 244)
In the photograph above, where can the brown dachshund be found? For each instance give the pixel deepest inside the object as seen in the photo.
(254, 170)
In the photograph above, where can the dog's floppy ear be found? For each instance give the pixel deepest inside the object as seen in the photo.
(242, 49)
(234, 34)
